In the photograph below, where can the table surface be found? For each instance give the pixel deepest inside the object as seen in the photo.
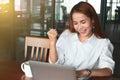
(11, 70)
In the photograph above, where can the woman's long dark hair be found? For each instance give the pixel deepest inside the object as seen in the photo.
(88, 10)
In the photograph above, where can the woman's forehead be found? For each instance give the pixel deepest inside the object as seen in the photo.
(79, 16)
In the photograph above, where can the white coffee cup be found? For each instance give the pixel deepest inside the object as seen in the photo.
(26, 69)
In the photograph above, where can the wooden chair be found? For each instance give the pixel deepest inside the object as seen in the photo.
(36, 48)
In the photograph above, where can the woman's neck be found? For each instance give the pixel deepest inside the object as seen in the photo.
(84, 38)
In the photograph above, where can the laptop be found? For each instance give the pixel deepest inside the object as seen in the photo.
(47, 71)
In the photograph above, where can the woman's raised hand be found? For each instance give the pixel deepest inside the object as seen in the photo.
(52, 34)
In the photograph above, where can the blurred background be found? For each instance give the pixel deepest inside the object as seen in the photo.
(19, 18)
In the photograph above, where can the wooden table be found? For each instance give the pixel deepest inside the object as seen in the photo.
(104, 78)
(11, 70)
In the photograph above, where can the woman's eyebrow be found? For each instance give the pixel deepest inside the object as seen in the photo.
(73, 21)
(83, 20)
(80, 20)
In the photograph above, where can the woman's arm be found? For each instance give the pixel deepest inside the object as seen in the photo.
(94, 72)
(105, 66)
(52, 34)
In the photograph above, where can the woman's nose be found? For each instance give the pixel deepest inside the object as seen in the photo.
(79, 26)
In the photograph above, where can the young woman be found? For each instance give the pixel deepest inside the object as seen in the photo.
(83, 44)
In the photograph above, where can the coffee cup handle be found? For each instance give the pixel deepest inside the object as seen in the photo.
(22, 67)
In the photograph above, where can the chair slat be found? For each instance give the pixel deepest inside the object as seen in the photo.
(45, 54)
(37, 48)
(41, 54)
(32, 52)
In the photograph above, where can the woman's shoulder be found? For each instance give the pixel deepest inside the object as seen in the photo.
(66, 33)
(64, 38)
(105, 41)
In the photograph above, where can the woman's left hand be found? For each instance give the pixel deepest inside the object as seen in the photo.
(81, 73)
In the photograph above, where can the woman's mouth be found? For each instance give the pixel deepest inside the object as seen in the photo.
(82, 31)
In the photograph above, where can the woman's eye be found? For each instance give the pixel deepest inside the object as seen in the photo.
(83, 21)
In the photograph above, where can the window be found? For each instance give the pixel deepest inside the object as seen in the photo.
(64, 7)
(4, 1)
(113, 9)
(96, 6)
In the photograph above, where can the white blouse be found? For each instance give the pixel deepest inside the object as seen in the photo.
(92, 54)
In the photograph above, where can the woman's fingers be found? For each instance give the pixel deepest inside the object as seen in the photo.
(52, 32)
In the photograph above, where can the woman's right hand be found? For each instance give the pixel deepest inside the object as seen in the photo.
(52, 34)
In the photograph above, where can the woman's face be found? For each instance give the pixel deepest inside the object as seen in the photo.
(82, 24)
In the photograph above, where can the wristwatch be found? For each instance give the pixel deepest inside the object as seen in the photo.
(89, 72)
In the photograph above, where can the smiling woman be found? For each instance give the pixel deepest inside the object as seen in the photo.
(83, 44)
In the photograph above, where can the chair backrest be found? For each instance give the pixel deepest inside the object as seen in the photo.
(36, 48)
